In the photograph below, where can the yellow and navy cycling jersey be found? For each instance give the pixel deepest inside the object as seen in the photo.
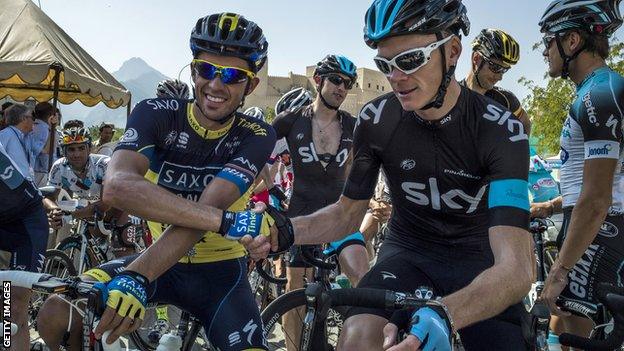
(185, 157)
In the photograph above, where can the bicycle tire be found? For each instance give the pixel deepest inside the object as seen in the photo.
(291, 301)
(71, 247)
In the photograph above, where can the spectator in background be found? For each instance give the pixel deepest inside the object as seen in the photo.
(20, 122)
(4, 107)
(104, 145)
(38, 142)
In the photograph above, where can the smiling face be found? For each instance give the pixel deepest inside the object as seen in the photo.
(215, 99)
(417, 89)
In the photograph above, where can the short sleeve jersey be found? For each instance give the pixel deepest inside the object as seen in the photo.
(62, 176)
(449, 180)
(503, 97)
(18, 194)
(184, 158)
(593, 129)
(315, 186)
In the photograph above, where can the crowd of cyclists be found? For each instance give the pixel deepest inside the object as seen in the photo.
(442, 164)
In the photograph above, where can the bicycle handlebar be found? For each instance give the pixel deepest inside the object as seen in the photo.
(613, 299)
(310, 259)
(268, 277)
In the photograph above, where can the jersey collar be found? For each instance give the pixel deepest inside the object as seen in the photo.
(203, 132)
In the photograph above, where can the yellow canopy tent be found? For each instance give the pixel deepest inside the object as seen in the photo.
(39, 60)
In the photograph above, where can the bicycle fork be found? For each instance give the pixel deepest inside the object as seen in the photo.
(317, 309)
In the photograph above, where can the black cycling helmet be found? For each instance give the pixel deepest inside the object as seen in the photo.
(496, 44)
(593, 16)
(172, 88)
(230, 34)
(291, 100)
(389, 18)
(601, 17)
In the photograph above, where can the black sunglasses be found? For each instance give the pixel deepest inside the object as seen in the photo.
(337, 80)
(547, 40)
(495, 67)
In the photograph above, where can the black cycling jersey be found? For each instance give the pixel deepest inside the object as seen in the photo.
(184, 158)
(314, 186)
(18, 194)
(503, 97)
(450, 180)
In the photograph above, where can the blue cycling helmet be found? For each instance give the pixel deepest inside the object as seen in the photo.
(336, 64)
(593, 16)
(389, 18)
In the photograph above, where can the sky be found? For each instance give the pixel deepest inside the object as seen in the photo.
(300, 33)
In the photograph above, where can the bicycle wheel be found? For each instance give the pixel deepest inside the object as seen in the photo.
(278, 337)
(71, 247)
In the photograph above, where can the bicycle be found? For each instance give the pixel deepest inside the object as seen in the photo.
(598, 313)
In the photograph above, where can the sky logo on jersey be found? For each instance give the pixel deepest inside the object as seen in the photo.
(308, 154)
(186, 181)
(371, 111)
(602, 149)
(497, 114)
(435, 199)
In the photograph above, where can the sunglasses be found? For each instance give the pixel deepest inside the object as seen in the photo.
(228, 75)
(409, 61)
(337, 80)
(547, 40)
(74, 139)
(495, 67)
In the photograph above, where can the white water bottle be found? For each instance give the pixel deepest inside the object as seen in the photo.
(169, 342)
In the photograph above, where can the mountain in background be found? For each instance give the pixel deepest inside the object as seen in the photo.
(137, 76)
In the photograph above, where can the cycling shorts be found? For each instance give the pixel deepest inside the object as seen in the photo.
(216, 293)
(602, 262)
(444, 270)
(26, 238)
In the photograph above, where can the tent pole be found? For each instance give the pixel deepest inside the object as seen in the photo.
(57, 78)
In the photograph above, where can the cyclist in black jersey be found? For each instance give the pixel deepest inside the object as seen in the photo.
(456, 165)
(320, 137)
(179, 164)
(494, 52)
(576, 45)
(23, 233)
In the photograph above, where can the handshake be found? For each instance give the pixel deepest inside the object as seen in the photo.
(259, 232)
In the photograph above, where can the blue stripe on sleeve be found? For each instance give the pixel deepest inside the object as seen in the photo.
(238, 181)
(509, 192)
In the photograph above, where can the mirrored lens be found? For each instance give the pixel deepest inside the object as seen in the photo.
(232, 75)
(206, 70)
(337, 80)
(229, 75)
(382, 66)
(410, 61)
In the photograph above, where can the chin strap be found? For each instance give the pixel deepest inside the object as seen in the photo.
(319, 89)
(565, 69)
(438, 99)
(476, 74)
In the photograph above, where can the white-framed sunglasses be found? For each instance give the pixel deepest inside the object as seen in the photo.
(409, 61)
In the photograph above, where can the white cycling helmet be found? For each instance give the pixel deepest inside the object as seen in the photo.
(255, 112)
(172, 88)
(291, 100)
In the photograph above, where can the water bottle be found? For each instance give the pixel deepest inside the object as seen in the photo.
(553, 342)
(169, 342)
(115, 346)
(343, 281)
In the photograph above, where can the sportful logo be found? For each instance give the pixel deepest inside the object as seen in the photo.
(183, 139)
(8, 172)
(408, 164)
(245, 162)
(171, 105)
(371, 111)
(513, 125)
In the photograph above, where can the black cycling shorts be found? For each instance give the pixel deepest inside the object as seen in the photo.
(602, 262)
(217, 293)
(444, 270)
(26, 238)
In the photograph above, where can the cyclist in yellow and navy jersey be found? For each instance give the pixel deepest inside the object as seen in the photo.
(178, 165)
